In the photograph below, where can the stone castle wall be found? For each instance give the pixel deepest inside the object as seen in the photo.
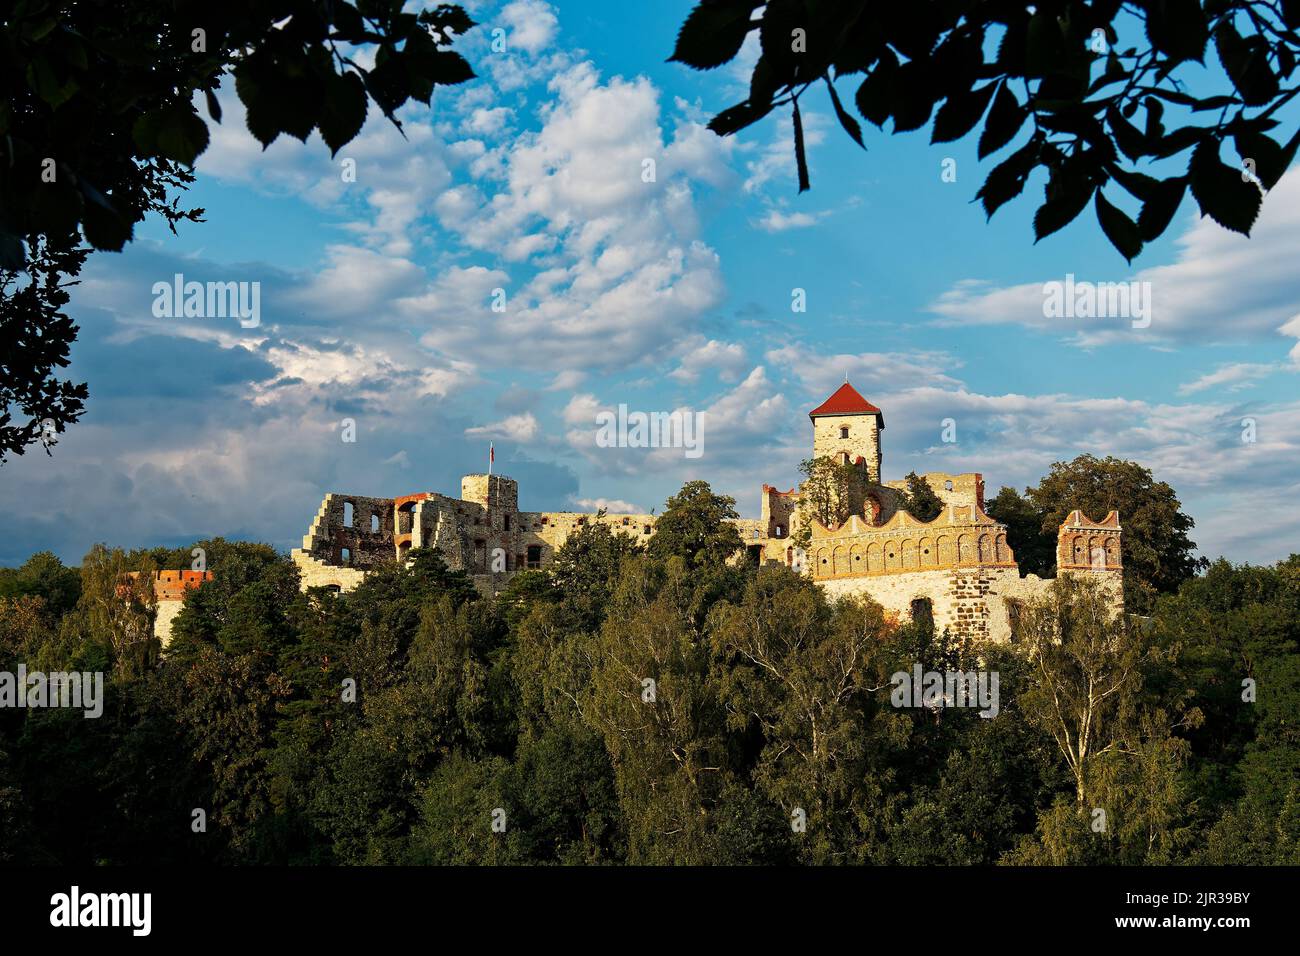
(960, 563)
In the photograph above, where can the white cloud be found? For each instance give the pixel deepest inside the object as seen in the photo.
(1222, 287)
(777, 221)
(1233, 377)
(566, 380)
(620, 275)
(522, 428)
(614, 506)
(531, 25)
(870, 372)
(728, 359)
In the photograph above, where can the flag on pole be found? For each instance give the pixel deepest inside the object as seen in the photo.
(492, 456)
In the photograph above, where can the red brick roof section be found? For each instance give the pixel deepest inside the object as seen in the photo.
(845, 401)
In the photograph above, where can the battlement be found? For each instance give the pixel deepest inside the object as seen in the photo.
(172, 585)
(958, 537)
(1085, 545)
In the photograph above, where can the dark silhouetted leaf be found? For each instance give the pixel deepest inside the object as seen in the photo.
(738, 117)
(1007, 179)
(1246, 63)
(1067, 201)
(960, 112)
(105, 228)
(1221, 191)
(214, 107)
(800, 155)
(181, 135)
(1177, 28)
(1118, 227)
(713, 33)
(848, 122)
(1004, 121)
(1159, 206)
(343, 111)
(874, 96)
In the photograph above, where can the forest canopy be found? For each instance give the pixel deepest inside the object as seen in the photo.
(633, 705)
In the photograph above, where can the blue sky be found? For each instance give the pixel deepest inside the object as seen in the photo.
(376, 300)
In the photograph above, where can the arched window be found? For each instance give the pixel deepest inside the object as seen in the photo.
(374, 523)
(348, 512)
(345, 556)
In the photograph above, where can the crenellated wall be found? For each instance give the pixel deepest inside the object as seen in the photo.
(959, 537)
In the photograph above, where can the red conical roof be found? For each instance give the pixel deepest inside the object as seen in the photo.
(845, 401)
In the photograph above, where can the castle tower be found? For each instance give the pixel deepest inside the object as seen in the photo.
(846, 427)
(497, 493)
(1085, 545)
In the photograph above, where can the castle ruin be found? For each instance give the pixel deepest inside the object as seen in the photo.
(958, 567)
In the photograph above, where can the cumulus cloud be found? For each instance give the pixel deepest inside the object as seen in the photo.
(531, 25)
(728, 359)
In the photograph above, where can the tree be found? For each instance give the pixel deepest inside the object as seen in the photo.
(1157, 554)
(43, 575)
(1035, 550)
(652, 699)
(920, 500)
(803, 675)
(99, 129)
(1089, 666)
(585, 569)
(35, 339)
(696, 526)
(831, 492)
(1063, 69)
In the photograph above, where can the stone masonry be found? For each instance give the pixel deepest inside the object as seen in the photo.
(958, 566)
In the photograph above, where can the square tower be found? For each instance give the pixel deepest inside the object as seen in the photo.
(846, 428)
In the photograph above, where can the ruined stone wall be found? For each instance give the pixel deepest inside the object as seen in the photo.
(315, 573)
(547, 531)
(164, 614)
(169, 589)
(960, 490)
(978, 603)
(365, 541)
(778, 510)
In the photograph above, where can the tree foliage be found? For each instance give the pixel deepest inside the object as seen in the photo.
(100, 127)
(831, 492)
(626, 706)
(1087, 93)
(920, 500)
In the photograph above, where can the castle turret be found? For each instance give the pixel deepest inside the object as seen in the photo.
(846, 428)
(1092, 548)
